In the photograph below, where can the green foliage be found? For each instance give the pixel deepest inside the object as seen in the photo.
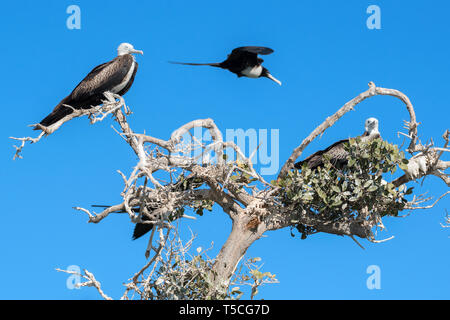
(200, 205)
(190, 279)
(186, 279)
(242, 177)
(252, 277)
(333, 193)
(186, 184)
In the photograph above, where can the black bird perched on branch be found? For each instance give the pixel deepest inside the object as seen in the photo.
(141, 228)
(244, 62)
(336, 152)
(115, 76)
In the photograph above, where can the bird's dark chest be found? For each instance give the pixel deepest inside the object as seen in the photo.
(243, 65)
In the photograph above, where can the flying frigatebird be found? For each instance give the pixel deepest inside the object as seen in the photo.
(244, 62)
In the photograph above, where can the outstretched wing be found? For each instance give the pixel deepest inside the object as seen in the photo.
(243, 57)
(253, 50)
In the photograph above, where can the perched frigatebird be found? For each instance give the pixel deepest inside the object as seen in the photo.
(141, 228)
(115, 76)
(336, 152)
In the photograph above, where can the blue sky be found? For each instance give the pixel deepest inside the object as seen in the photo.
(324, 54)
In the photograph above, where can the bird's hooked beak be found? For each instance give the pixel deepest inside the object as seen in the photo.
(268, 75)
(138, 52)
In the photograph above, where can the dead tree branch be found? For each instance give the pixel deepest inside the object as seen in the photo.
(91, 281)
(350, 106)
(187, 172)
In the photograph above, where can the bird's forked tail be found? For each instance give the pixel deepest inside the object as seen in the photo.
(57, 114)
(219, 65)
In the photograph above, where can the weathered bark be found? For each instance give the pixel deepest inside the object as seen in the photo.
(242, 236)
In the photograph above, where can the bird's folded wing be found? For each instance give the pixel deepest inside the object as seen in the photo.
(103, 77)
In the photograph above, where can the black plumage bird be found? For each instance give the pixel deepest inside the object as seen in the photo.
(336, 152)
(115, 76)
(141, 228)
(244, 62)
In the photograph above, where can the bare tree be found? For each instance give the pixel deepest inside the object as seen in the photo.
(353, 204)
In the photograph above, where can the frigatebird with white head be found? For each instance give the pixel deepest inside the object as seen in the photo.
(336, 152)
(244, 62)
(115, 76)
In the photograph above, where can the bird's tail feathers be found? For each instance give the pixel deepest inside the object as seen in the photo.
(57, 114)
(141, 229)
(219, 65)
